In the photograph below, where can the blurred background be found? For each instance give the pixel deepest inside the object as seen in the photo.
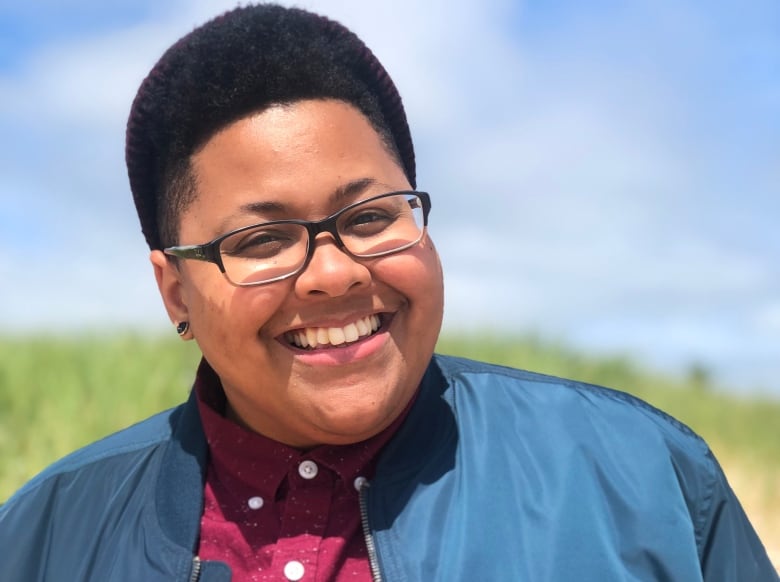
(606, 191)
(603, 173)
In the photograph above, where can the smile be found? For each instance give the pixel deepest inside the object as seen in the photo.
(314, 337)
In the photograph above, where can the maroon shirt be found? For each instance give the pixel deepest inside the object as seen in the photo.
(273, 512)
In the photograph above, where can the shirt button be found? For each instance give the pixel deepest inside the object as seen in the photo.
(308, 470)
(360, 482)
(293, 570)
(255, 502)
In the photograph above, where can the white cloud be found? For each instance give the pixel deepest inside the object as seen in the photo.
(577, 191)
(766, 318)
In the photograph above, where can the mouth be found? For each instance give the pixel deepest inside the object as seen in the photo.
(312, 338)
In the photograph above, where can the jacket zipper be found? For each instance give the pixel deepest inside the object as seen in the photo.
(196, 564)
(373, 560)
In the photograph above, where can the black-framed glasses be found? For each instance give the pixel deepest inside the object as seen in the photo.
(272, 251)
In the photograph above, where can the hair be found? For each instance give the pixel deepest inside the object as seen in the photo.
(235, 65)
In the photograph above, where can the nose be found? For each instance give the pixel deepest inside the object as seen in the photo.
(330, 271)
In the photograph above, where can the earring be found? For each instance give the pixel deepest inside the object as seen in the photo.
(182, 327)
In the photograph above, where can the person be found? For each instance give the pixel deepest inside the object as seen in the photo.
(273, 172)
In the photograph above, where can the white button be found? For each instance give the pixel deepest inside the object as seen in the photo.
(360, 482)
(308, 470)
(293, 570)
(255, 502)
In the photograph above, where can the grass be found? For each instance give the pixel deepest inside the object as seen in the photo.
(57, 394)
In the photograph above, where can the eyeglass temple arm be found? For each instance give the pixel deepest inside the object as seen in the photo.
(197, 252)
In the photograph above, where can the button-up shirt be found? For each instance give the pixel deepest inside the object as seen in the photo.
(273, 512)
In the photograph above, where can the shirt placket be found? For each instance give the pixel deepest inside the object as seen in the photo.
(303, 521)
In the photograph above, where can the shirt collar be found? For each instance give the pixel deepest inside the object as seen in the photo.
(246, 458)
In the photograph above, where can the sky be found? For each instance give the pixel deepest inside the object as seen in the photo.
(603, 173)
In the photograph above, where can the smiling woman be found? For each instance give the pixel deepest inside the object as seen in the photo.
(290, 157)
(273, 173)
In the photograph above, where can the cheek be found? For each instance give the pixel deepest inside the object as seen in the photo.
(430, 287)
(222, 311)
(429, 267)
(416, 273)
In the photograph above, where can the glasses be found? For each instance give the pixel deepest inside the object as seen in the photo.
(272, 251)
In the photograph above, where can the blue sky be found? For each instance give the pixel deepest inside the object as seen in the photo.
(606, 173)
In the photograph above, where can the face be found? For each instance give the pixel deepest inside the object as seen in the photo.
(306, 161)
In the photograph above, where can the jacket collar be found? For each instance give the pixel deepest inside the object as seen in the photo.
(429, 435)
(179, 492)
(425, 442)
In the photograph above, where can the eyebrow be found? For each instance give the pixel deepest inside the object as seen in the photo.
(349, 190)
(340, 195)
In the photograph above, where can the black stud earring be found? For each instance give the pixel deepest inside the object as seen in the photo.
(182, 327)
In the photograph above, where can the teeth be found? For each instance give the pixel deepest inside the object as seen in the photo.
(311, 337)
(351, 333)
(336, 335)
(322, 336)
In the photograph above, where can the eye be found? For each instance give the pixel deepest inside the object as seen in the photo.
(370, 220)
(370, 216)
(262, 243)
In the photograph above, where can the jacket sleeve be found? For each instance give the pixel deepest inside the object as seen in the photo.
(729, 547)
(24, 538)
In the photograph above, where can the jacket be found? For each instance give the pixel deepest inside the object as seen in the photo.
(496, 474)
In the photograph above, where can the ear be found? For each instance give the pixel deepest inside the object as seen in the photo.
(169, 282)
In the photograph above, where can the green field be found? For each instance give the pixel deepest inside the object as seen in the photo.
(58, 394)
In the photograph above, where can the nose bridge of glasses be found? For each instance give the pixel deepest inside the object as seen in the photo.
(327, 254)
(326, 225)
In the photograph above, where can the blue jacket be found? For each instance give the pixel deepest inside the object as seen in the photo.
(497, 474)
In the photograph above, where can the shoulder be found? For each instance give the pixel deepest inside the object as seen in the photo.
(567, 467)
(594, 430)
(106, 455)
(99, 501)
(592, 418)
(490, 381)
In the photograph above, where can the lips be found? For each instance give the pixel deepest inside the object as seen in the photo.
(311, 338)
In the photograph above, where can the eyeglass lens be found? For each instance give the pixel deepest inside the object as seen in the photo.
(274, 250)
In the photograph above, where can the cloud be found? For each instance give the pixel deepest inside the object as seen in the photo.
(583, 184)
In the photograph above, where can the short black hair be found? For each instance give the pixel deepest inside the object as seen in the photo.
(237, 64)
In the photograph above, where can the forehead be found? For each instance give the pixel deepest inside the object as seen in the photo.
(297, 157)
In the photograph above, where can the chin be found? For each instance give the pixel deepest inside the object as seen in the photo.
(357, 426)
